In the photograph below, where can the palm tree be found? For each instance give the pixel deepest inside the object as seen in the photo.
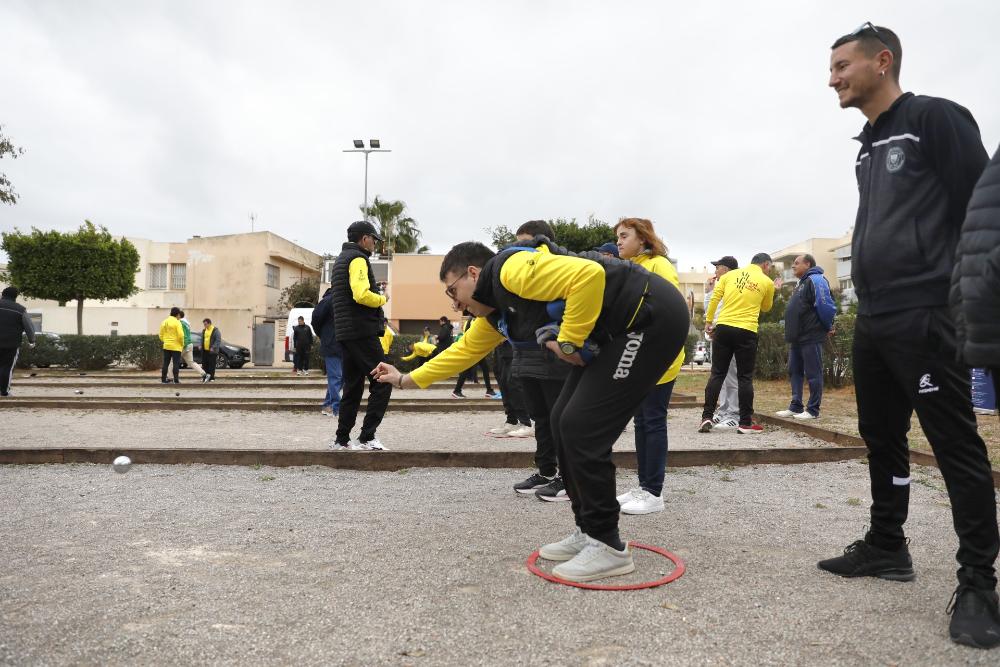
(399, 231)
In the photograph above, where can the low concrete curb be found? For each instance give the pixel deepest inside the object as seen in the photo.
(389, 461)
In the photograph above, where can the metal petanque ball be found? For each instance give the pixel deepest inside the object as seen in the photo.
(122, 464)
(78, 391)
(177, 393)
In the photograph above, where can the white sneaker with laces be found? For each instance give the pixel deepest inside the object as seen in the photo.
(565, 548)
(643, 502)
(503, 431)
(338, 447)
(372, 445)
(628, 495)
(596, 561)
(784, 413)
(804, 416)
(726, 425)
(522, 432)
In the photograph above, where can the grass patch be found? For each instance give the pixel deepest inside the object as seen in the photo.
(267, 478)
(854, 502)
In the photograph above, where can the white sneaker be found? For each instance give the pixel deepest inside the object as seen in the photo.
(805, 415)
(784, 413)
(643, 502)
(372, 445)
(522, 432)
(337, 447)
(565, 548)
(628, 495)
(726, 425)
(305, 372)
(503, 431)
(596, 561)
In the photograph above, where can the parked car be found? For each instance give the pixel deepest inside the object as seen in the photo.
(230, 356)
(54, 340)
(702, 354)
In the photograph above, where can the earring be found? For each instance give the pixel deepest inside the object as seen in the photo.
(882, 73)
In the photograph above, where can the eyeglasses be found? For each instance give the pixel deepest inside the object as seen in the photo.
(449, 291)
(867, 25)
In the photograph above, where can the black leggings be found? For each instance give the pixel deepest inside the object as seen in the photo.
(598, 400)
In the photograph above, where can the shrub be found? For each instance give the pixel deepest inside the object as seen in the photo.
(143, 352)
(91, 353)
(772, 353)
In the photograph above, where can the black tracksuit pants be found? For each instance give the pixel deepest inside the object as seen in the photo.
(361, 356)
(510, 390)
(902, 362)
(470, 374)
(729, 343)
(540, 398)
(8, 359)
(598, 400)
(171, 356)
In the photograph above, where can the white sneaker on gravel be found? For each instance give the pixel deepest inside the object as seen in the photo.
(503, 431)
(804, 416)
(522, 432)
(628, 495)
(784, 413)
(643, 502)
(372, 445)
(338, 447)
(726, 425)
(566, 548)
(596, 561)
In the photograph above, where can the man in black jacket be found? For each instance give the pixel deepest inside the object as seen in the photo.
(14, 322)
(975, 291)
(325, 327)
(445, 336)
(919, 160)
(302, 342)
(360, 322)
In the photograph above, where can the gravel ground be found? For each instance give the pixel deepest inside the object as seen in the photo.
(457, 431)
(222, 391)
(220, 565)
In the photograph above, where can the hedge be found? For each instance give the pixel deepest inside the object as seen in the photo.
(93, 353)
(772, 353)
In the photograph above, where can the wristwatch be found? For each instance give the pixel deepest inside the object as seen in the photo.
(568, 348)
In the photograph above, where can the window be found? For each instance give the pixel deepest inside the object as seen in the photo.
(178, 276)
(273, 275)
(157, 276)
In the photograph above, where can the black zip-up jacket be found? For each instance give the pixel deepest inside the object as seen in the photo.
(976, 284)
(324, 324)
(916, 170)
(302, 338)
(14, 322)
(353, 320)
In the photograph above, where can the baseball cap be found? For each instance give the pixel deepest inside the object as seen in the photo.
(728, 261)
(608, 247)
(362, 228)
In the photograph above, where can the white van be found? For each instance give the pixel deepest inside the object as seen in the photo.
(293, 320)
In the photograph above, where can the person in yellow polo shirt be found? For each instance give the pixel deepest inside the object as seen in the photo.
(639, 323)
(748, 292)
(172, 336)
(638, 242)
(420, 350)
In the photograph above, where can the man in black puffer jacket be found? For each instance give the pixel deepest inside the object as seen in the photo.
(14, 322)
(975, 287)
(357, 311)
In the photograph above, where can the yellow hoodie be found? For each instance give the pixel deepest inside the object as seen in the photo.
(172, 334)
(662, 267)
(747, 293)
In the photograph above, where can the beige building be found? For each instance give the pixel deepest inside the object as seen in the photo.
(236, 280)
(820, 248)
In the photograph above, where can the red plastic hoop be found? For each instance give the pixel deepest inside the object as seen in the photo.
(678, 571)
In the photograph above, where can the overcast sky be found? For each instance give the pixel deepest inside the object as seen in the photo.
(168, 119)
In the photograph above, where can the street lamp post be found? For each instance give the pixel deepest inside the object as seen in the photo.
(375, 146)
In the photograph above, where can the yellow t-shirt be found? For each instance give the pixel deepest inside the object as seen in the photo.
(420, 349)
(172, 334)
(386, 339)
(662, 267)
(747, 293)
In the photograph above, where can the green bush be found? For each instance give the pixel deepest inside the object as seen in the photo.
(689, 345)
(143, 352)
(772, 353)
(91, 353)
(45, 353)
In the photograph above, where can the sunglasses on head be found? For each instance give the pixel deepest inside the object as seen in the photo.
(867, 25)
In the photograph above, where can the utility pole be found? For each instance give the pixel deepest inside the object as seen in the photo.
(375, 146)
(253, 219)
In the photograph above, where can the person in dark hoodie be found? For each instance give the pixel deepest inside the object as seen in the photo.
(808, 321)
(445, 336)
(14, 323)
(302, 342)
(326, 328)
(975, 286)
(919, 160)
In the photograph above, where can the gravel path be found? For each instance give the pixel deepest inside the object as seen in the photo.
(220, 565)
(456, 431)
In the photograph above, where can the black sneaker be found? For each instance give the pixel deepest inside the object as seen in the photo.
(166, 382)
(529, 485)
(975, 619)
(554, 491)
(861, 559)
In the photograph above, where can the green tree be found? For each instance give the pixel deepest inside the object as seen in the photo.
(7, 194)
(569, 233)
(400, 232)
(304, 290)
(781, 296)
(85, 264)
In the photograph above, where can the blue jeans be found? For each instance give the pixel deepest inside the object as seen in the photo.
(806, 361)
(334, 381)
(651, 438)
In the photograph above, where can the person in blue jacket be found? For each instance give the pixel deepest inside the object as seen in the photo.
(808, 321)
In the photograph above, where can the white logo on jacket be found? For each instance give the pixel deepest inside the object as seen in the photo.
(926, 386)
(628, 355)
(895, 159)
